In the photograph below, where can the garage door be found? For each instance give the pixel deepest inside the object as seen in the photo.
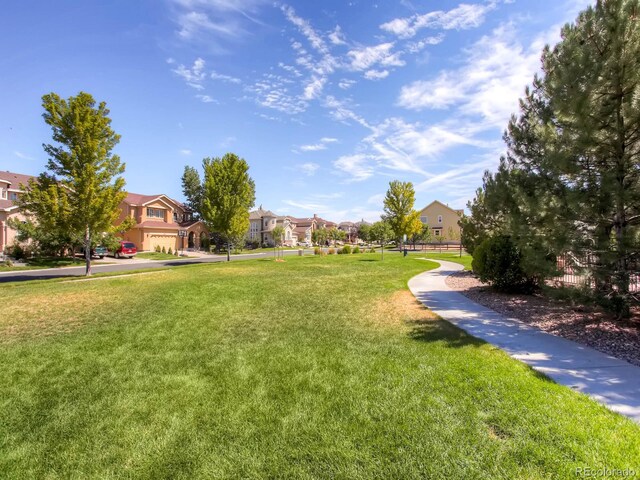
(163, 240)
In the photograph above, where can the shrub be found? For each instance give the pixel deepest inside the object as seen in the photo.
(340, 251)
(164, 250)
(176, 252)
(16, 251)
(372, 250)
(170, 251)
(346, 249)
(332, 251)
(497, 261)
(317, 251)
(356, 250)
(158, 248)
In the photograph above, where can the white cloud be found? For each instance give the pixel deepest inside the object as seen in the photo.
(345, 84)
(225, 78)
(322, 145)
(342, 113)
(314, 38)
(337, 37)
(416, 47)
(463, 17)
(312, 207)
(358, 167)
(365, 58)
(185, 152)
(206, 99)
(309, 168)
(376, 74)
(194, 76)
(488, 85)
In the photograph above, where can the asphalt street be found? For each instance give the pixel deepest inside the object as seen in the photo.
(44, 274)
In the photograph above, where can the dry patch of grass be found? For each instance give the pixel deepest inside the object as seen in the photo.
(398, 309)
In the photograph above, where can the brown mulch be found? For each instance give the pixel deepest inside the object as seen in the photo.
(584, 324)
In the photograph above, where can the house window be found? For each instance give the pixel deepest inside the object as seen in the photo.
(424, 220)
(3, 193)
(13, 196)
(155, 213)
(439, 218)
(175, 217)
(437, 233)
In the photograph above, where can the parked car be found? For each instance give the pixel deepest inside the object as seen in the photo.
(100, 251)
(304, 244)
(126, 250)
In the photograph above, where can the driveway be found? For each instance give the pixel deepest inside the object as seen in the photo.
(124, 264)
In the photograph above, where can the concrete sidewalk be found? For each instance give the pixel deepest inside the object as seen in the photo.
(611, 381)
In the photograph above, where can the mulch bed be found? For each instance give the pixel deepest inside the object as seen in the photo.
(584, 324)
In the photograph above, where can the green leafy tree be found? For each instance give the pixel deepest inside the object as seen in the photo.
(320, 236)
(398, 209)
(382, 232)
(364, 232)
(229, 194)
(84, 187)
(335, 234)
(414, 229)
(192, 189)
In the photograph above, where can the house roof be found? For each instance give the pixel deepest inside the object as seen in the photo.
(15, 179)
(457, 212)
(260, 212)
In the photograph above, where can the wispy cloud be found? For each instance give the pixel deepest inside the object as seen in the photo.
(206, 99)
(309, 168)
(314, 147)
(463, 17)
(194, 76)
(185, 152)
(225, 78)
(23, 156)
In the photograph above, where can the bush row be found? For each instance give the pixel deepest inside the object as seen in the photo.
(346, 250)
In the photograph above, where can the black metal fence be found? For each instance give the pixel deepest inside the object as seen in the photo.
(576, 270)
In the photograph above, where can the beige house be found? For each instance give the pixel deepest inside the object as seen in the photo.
(10, 190)
(159, 220)
(443, 220)
(261, 225)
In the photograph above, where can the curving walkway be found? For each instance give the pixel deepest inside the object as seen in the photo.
(611, 381)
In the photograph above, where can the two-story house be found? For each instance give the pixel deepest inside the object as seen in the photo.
(10, 190)
(442, 219)
(261, 225)
(159, 220)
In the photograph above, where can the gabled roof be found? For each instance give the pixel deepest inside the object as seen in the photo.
(260, 212)
(15, 179)
(457, 212)
(136, 199)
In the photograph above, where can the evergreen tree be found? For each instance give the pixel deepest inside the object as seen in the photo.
(192, 189)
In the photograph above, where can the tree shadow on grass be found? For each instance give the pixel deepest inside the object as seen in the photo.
(454, 337)
(369, 260)
(442, 331)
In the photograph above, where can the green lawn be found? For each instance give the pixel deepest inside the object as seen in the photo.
(317, 367)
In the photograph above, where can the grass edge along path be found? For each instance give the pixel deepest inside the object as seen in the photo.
(315, 367)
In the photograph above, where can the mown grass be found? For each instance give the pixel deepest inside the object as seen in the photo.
(317, 367)
(159, 256)
(48, 262)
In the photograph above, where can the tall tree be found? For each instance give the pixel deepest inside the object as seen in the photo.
(228, 195)
(398, 208)
(364, 231)
(278, 237)
(90, 187)
(570, 180)
(192, 189)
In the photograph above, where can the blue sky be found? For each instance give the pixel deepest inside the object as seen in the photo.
(327, 101)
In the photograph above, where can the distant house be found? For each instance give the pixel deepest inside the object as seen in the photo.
(10, 191)
(442, 219)
(350, 229)
(159, 219)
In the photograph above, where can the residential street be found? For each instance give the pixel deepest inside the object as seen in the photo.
(123, 266)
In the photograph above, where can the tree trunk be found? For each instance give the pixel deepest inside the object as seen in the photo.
(228, 252)
(382, 250)
(87, 251)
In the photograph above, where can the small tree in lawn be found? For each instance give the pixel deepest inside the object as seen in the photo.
(364, 232)
(398, 209)
(228, 195)
(278, 236)
(382, 232)
(83, 165)
(454, 236)
(319, 236)
(414, 229)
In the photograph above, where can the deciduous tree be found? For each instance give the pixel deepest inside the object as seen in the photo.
(228, 195)
(398, 209)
